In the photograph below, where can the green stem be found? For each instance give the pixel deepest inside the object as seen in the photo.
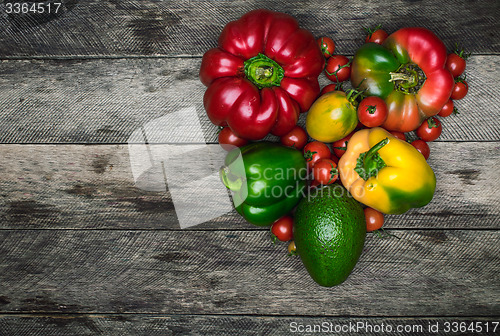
(408, 79)
(263, 71)
(369, 163)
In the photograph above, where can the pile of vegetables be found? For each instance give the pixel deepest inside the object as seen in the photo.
(264, 73)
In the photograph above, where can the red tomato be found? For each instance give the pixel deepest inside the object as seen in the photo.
(228, 140)
(430, 129)
(325, 171)
(460, 89)
(339, 147)
(328, 88)
(376, 35)
(422, 147)
(338, 68)
(327, 46)
(447, 109)
(374, 219)
(296, 138)
(399, 135)
(372, 111)
(455, 64)
(315, 151)
(283, 228)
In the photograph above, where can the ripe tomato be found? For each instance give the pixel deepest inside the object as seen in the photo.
(399, 135)
(372, 111)
(422, 147)
(460, 89)
(339, 147)
(447, 109)
(376, 35)
(374, 219)
(328, 88)
(315, 151)
(325, 171)
(455, 63)
(430, 129)
(338, 68)
(327, 46)
(292, 249)
(228, 140)
(283, 228)
(296, 138)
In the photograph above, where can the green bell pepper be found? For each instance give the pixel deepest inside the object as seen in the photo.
(267, 180)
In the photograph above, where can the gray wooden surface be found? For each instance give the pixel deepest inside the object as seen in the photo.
(84, 251)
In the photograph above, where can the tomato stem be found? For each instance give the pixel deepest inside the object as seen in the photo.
(340, 67)
(333, 172)
(324, 48)
(370, 31)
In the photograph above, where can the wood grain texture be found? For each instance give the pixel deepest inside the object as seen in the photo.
(182, 27)
(423, 273)
(200, 325)
(105, 101)
(92, 187)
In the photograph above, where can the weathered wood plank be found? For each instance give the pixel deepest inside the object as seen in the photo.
(183, 27)
(105, 101)
(423, 273)
(147, 325)
(92, 187)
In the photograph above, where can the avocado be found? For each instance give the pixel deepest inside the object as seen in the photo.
(329, 233)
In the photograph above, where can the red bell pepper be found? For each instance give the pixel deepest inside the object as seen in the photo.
(263, 73)
(408, 72)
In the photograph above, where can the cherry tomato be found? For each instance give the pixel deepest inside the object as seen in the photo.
(296, 138)
(455, 63)
(328, 88)
(339, 147)
(422, 147)
(228, 140)
(327, 46)
(447, 109)
(374, 219)
(315, 151)
(376, 35)
(292, 249)
(372, 111)
(338, 68)
(430, 129)
(460, 89)
(325, 171)
(399, 135)
(283, 228)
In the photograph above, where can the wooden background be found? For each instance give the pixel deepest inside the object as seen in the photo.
(83, 251)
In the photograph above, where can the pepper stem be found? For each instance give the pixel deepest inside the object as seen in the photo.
(369, 163)
(263, 71)
(408, 79)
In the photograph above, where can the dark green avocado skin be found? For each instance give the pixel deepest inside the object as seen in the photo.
(329, 233)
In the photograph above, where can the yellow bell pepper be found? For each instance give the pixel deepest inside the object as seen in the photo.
(386, 173)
